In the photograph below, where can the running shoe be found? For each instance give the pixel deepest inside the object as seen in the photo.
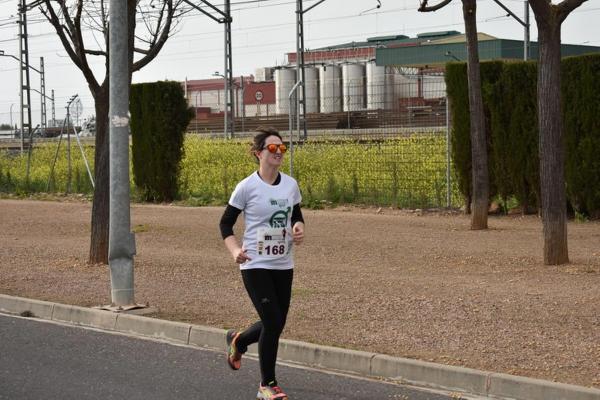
(270, 393)
(234, 357)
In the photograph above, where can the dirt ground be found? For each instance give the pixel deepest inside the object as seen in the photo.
(408, 284)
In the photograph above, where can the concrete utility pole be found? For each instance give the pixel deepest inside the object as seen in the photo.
(525, 24)
(53, 110)
(25, 94)
(527, 44)
(229, 107)
(225, 19)
(121, 241)
(300, 100)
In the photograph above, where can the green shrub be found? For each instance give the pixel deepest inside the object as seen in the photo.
(159, 117)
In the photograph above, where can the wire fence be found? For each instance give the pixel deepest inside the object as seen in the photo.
(387, 146)
(380, 141)
(389, 100)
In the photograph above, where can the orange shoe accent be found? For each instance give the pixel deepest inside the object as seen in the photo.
(234, 357)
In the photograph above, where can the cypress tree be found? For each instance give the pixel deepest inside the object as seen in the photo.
(159, 118)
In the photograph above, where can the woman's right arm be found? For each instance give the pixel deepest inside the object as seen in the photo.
(226, 225)
(238, 253)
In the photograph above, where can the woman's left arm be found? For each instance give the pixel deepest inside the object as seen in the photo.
(297, 225)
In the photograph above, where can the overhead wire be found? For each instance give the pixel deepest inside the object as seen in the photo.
(249, 4)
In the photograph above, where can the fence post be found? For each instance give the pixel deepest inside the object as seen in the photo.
(290, 123)
(448, 182)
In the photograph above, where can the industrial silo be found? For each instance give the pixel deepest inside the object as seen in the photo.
(285, 79)
(434, 86)
(311, 84)
(407, 83)
(380, 87)
(330, 88)
(353, 84)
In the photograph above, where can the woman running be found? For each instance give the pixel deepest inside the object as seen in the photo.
(270, 201)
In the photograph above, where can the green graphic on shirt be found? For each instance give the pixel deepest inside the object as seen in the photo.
(279, 218)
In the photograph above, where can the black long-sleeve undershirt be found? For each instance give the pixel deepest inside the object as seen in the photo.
(231, 214)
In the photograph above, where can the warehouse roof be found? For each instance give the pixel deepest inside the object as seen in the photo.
(453, 48)
(393, 40)
(429, 49)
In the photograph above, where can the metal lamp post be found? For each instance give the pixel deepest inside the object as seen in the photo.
(11, 120)
(228, 119)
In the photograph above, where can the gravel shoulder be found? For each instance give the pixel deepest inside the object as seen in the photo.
(408, 284)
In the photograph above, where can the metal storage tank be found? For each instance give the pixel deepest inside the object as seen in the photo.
(406, 83)
(285, 79)
(380, 87)
(330, 88)
(434, 86)
(311, 83)
(353, 83)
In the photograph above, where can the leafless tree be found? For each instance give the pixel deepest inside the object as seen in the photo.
(82, 27)
(549, 18)
(479, 155)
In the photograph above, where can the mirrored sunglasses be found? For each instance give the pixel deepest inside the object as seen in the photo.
(273, 148)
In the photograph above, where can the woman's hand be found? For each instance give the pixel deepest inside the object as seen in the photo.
(238, 253)
(240, 256)
(298, 232)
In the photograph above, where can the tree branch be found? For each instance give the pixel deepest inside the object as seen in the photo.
(67, 17)
(566, 6)
(159, 23)
(95, 52)
(158, 44)
(66, 39)
(425, 8)
(141, 51)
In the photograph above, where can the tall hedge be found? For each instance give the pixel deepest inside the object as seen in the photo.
(510, 100)
(581, 109)
(513, 105)
(159, 117)
(457, 87)
(460, 138)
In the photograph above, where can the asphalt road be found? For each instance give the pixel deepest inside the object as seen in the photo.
(41, 360)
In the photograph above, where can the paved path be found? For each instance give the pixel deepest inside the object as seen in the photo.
(40, 360)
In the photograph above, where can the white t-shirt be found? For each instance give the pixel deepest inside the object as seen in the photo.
(267, 214)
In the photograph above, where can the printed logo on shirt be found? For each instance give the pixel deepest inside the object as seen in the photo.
(281, 203)
(279, 218)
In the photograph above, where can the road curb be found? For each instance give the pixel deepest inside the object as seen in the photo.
(416, 372)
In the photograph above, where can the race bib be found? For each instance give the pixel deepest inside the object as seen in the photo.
(272, 242)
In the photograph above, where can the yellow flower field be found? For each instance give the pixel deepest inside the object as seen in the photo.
(401, 171)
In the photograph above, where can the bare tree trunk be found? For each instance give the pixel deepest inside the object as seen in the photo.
(480, 201)
(552, 147)
(549, 18)
(100, 205)
(67, 22)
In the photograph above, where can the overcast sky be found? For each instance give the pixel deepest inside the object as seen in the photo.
(263, 31)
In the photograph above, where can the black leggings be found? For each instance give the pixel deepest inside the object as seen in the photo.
(270, 292)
